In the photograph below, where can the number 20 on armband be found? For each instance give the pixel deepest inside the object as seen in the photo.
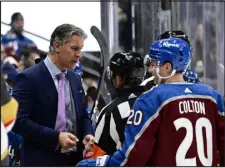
(135, 117)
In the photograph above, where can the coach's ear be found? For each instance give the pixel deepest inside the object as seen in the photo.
(57, 46)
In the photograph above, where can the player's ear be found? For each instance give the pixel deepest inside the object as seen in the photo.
(168, 67)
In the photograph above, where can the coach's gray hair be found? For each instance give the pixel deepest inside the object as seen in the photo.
(64, 33)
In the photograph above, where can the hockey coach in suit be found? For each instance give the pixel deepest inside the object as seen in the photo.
(52, 117)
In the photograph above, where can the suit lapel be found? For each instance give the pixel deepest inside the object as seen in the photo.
(48, 83)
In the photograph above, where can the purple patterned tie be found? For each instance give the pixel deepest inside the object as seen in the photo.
(61, 116)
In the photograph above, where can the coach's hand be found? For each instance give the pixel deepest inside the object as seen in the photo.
(67, 140)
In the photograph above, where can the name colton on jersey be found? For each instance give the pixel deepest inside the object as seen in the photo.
(191, 106)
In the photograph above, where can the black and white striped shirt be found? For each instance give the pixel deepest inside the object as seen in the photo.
(109, 133)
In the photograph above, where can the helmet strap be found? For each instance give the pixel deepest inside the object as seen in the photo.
(164, 77)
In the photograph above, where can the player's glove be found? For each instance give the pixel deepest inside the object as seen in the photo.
(99, 161)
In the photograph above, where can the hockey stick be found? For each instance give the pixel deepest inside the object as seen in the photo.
(103, 62)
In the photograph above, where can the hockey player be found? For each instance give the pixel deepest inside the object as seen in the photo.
(126, 72)
(9, 108)
(149, 79)
(189, 75)
(175, 123)
(15, 143)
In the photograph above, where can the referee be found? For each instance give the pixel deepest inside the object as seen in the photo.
(126, 73)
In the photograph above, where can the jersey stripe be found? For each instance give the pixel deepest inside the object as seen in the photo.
(99, 129)
(113, 133)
